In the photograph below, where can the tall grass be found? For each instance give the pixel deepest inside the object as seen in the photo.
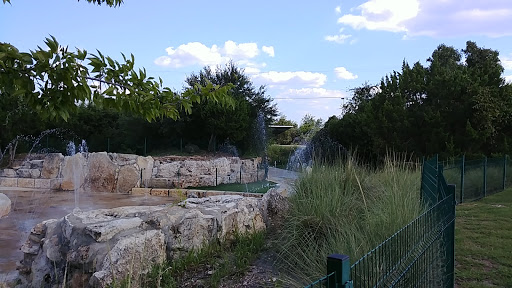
(345, 208)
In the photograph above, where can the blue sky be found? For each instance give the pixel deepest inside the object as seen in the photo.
(298, 49)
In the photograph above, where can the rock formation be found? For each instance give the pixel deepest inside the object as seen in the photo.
(5, 205)
(119, 173)
(95, 248)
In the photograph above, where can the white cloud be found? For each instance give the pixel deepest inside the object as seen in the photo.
(252, 70)
(311, 93)
(343, 73)
(240, 51)
(508, 78)
(387, 15)
(506, 62)
(337, 9)
(196, 53)
(434, 18)
(269, 50)
(296, 78)
(340, 39)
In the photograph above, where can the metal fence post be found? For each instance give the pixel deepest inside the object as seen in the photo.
(450, 249)
(462, 168)
(340, 265)
(108, 145)
(504, 171)
(240, 174)
(485, 176)
(422, 177)
(215, 176)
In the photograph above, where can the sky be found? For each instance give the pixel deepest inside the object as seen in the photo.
(308, 54)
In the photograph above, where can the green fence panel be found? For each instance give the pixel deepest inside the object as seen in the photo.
(421, 254)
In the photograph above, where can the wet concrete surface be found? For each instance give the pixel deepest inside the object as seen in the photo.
(284, 178)
(30, 207)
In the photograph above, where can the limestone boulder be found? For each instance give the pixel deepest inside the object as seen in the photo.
(97, 247)
(101, 173)
(51, 165)
(127, 179)
(123, 159)
(5, 205)
(8, 173)
(273, 207)
(192, 231)
(146, 164)
(233, 213)
(29, 173)
(133, 255)
(168, 170)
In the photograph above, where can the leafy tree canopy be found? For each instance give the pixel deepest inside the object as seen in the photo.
(457, 103)
(223, 124)
(53, 80)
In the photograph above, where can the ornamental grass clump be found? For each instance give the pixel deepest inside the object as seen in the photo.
(346, 208)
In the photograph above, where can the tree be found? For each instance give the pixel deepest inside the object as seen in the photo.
(221, 123)
(50, 82)
(308, 128)
(458, 103)
(286, 137)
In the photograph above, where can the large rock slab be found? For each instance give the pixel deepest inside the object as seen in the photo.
(127, 179)
(8, 173)
(95, 248)
(146, 164)
(5, 205)
(51, 165)
(101, 173)
(28, 173)
(133, 256)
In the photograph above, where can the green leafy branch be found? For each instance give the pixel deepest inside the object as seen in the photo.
(54, 80)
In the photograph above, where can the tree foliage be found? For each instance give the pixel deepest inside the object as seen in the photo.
(457, 103)
(287, 137)
(235, 125)
(49, 83)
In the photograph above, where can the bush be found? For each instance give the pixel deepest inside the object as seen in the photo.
(280, 154)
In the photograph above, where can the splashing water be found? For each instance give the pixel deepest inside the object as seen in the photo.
(70, 148)
(260, 135)
(82, 148)
(34, 142)
(77, 168)
(320, 147)
(228, 149)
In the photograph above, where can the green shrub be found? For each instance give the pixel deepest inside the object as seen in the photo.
(279, 154)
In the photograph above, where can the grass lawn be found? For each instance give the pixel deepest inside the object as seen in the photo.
(253, 187)
(483, 242)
